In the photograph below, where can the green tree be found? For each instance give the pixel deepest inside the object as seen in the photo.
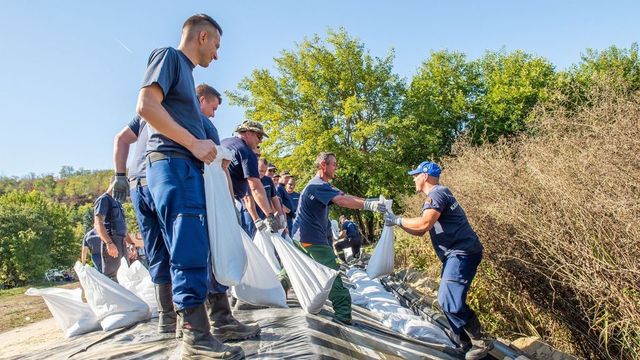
(438, 106)
(35, 234)
(511, 84)
(330, 95)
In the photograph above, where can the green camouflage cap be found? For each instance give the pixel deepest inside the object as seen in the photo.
(249, 125)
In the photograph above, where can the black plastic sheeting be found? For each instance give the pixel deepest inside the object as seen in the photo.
(286, 334)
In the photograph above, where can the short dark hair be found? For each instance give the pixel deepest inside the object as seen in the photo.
(208, 91)
(197, 21)
(323, 157)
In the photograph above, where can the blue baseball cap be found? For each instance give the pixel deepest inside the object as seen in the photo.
(427, 167)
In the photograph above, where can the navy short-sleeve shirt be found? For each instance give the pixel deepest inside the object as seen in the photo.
(244, 165)
(92, 241)
(451, 234)
(210, 130)
(172, 70)
(295, 198)
(269, 189)
(138, 168)
(313, 211)
(284, 196)
(113, 213)
(351, 229)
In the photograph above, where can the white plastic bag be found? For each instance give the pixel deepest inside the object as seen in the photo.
(228, 256)
(114, 306)
(259, 286)
(136, 279)
(311, 280)
(265, 245)
(72, 315)
(381, 262)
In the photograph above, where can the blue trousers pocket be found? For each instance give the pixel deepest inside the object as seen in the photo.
(190, 241)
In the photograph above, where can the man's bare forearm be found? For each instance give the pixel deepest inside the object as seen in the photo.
(101, 230)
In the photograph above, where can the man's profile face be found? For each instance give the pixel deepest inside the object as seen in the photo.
(209, 43)
(330, 167)
(419, 180)
(209, 105)
(262, 168)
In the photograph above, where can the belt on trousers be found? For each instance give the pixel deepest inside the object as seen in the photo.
(133, 183)
(157, 156)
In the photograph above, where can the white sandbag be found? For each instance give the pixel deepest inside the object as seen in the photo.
(136, 279)
(265, 245)
(114, 306)
(311, 280)
(372, 295)
(72, 315)
(381, 262)
(335, 229)
(288, 238)
(228, 256)
(259, 285)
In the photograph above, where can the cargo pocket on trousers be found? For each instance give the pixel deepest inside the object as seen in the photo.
(190, 245)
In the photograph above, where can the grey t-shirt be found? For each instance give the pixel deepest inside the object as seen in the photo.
(173, 72)
(451, 234)
(138, 168)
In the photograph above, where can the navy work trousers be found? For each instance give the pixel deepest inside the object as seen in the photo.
(154, 245)
(458, 272)
(177, 189)
(97, 261)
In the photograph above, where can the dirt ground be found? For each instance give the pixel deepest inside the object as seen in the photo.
(26, 323)
(35, 336)
(18, 310)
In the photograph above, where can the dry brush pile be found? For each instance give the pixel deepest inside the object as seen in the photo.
(559, 215)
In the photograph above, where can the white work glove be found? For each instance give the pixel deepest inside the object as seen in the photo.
(270, 223)
(392, 220)
(374, 204)
(260, 225)
(120, 188)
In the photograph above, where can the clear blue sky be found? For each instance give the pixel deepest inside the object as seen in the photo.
(70, 70)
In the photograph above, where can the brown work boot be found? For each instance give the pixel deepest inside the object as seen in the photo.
(225, 326)
(481, 344)
(166, 313)
(197, 341)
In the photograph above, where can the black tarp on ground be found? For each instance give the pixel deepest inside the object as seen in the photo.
(286, 334)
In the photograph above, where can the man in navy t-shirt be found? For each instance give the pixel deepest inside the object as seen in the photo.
(294, 197)
(459, 249)
(269, 188)
(176, 150)
(245, 177)
(93, 244)
(312, 223)
(349, 232)
(155, 250)
(111, 226)
(285, 201)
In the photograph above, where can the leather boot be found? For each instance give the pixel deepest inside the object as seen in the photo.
(480, 343)
(225, 326)
(166, 313)
(197, 341)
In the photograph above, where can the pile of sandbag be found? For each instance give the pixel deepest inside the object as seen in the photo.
(372, 295)
(109, 305)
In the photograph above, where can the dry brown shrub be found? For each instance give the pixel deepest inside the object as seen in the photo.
(558, 213)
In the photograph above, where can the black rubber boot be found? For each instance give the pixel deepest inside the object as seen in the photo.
(166, 313)
(197, 340)
(225, 326)
(480, 343)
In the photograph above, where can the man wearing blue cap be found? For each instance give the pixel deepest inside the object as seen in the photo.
(459, 249)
